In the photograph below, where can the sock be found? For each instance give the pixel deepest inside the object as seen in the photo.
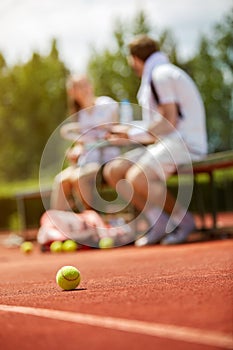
(156, 216)
(158, 228)
(152, 215)
(178, 215)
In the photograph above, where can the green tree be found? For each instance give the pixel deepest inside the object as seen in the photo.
(33, 96)
(33, 103)
(212, 69)
(2, 63)
(109, 68)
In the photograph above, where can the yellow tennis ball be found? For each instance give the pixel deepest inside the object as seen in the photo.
(56, 247)
(26, 247)
(106, 242)
(69, 246)
(68, 277)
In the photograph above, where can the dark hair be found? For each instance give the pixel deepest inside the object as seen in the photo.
(142, 46)
(73, 105)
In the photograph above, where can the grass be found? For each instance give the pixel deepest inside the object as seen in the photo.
(9, 189)
(219, 176)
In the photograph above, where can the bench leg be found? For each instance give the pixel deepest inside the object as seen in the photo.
(200, 202)
(22, 215)
(214, 201)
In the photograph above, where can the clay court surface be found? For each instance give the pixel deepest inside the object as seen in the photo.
(154, 297)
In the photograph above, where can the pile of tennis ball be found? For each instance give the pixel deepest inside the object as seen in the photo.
(67, 246)
(67, 277)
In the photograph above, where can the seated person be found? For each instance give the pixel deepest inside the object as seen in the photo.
(91, 116)
(179, 137)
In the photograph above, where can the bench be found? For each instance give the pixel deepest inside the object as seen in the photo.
(22, 196)
(209, 165)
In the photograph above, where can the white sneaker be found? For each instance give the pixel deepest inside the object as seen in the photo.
(156, 233)
(182, 232)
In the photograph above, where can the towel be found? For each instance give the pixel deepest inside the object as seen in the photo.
(144, 92)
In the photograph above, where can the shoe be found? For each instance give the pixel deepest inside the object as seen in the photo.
(182, 232)
(156, 233)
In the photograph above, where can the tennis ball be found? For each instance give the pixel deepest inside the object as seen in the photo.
(106, 242)
(56, 247)
(26, 247)
(69, 246)
(68, 277)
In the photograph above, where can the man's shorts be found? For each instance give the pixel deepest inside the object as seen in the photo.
(163, 157)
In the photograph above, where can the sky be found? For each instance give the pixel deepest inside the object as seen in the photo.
(30, 25)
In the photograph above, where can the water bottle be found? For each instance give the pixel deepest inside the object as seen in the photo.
(126, 111)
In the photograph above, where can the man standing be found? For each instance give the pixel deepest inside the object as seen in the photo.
(179, 135)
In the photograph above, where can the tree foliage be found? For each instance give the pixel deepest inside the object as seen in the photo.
(33, 96)
(212, 69)
(32, 104)
(109, 69)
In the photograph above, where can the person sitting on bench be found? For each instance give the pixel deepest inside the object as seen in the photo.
(179, 138)
(90, 115)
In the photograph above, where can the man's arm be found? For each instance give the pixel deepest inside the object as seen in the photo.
(165, 125)
(168, 123)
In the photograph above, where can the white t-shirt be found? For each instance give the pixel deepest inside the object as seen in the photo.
(103, 112)
(173, 85)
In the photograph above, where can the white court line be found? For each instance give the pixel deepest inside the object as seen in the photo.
(191, 335)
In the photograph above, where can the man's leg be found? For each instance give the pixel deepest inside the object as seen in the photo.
(141, 191)
(115, 170)
(115, 173)
(157, 201)
(151, 193)
(148, 193)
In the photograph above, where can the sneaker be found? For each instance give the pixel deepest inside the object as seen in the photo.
(156, 233)
(182, 232)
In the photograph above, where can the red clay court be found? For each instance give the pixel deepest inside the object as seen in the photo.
(157, 297)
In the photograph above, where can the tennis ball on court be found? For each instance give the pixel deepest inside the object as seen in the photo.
(26, 247)
(69, 246)
(56, 247)
(68, 277)
(106, 242)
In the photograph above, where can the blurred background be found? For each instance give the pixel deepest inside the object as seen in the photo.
(42, 42)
